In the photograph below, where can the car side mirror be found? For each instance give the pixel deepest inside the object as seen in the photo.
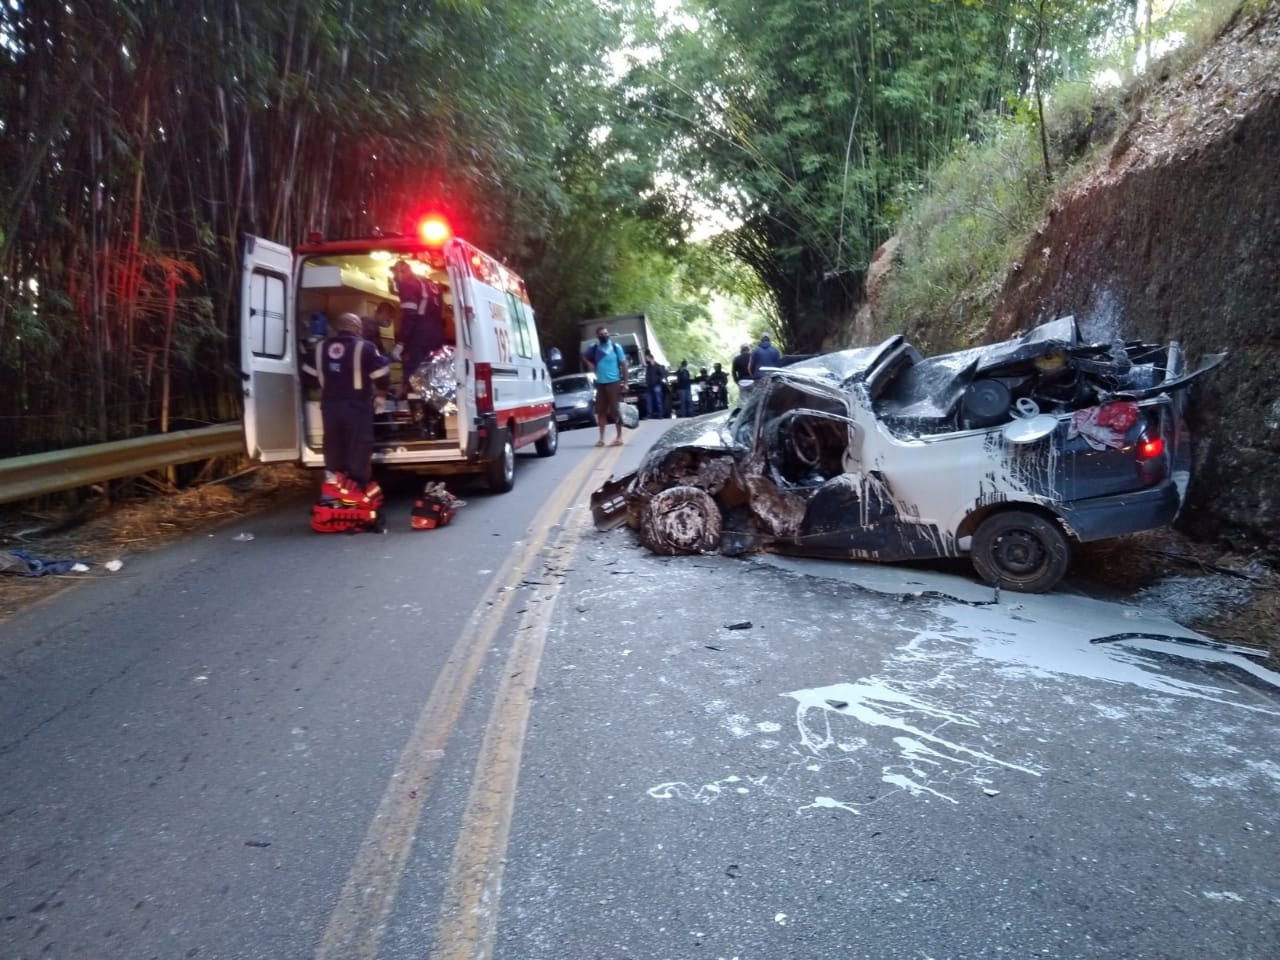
(555, 361)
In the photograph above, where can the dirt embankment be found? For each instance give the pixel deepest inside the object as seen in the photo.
(1177, 235)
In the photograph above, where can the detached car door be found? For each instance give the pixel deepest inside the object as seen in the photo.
(269, 353)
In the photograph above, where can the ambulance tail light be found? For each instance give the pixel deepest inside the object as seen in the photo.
(484, 388)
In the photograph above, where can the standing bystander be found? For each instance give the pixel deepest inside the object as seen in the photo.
(764, 355)
(607, 360)
(684, 386)
(655, 385)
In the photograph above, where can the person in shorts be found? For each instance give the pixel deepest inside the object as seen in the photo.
(609, 363)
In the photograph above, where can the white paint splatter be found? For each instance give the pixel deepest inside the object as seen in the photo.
(830, 803)
(1053, 638)
(707, 792)
(738, 725)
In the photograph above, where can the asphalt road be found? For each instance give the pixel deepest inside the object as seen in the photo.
(518, 738)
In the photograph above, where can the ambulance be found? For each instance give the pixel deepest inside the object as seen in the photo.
(490, 392)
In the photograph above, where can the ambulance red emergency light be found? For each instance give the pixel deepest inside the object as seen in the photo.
(483, 396)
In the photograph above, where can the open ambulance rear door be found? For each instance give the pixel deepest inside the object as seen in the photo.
(269, 353)
(465, 336)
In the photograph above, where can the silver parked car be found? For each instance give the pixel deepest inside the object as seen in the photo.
(574, 395)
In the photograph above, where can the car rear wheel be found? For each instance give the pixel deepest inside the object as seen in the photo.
(681, 520)
(546, 446)
(1021, 550)
(501, 473)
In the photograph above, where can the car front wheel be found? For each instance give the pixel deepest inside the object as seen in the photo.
(681, 520)
(1021, 550)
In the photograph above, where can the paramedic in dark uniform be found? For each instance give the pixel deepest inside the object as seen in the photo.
(349, 370)
(421, 330)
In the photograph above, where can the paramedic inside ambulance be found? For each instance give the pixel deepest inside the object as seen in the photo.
(348, 369)
(380, 328)
(421, 330)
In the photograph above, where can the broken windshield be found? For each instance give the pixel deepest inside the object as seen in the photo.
(742, 422)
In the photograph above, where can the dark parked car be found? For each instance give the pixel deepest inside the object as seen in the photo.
(1005, 454)
(575, 397)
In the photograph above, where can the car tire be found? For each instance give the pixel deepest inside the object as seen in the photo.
(681, 520)
(1021, 550)
(501, 473)
(547, 446)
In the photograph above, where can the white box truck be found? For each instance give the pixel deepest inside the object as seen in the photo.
(631, 331)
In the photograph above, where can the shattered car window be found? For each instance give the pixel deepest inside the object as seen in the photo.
(807, 435)
(743, 424)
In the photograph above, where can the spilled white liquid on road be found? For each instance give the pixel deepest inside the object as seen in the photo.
(932, 722)
(1041, 640)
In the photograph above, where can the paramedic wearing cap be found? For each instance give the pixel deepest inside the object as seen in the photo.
(348, 369)
(606, 359)
(765, 355)
(421, 319)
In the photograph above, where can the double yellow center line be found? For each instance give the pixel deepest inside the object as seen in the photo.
(469, 911)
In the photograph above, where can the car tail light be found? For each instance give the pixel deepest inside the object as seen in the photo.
(1153, 465)
(484, 388)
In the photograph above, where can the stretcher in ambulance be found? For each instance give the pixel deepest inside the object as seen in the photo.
(483, 397)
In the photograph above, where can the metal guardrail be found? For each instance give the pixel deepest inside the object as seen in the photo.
(42, 473)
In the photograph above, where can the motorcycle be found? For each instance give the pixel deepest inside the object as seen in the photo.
(712, 397)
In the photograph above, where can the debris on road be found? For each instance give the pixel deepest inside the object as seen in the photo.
(25, 564)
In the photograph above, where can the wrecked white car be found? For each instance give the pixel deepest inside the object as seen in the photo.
(1005, 454)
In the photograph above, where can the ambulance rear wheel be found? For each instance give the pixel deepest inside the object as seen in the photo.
(501, 473)
(547, 445)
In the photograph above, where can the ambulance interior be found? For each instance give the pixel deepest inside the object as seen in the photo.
(334, 284)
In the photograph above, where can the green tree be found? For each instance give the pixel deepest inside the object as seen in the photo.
(809, 117)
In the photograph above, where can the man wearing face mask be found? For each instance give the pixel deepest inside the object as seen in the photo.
(609, 363)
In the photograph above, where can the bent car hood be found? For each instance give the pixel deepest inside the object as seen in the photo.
(706, 433)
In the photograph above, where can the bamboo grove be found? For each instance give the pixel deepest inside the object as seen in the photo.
(143, 139)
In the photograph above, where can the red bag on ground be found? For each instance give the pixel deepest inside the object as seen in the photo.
(431, 512)
(332, 517)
